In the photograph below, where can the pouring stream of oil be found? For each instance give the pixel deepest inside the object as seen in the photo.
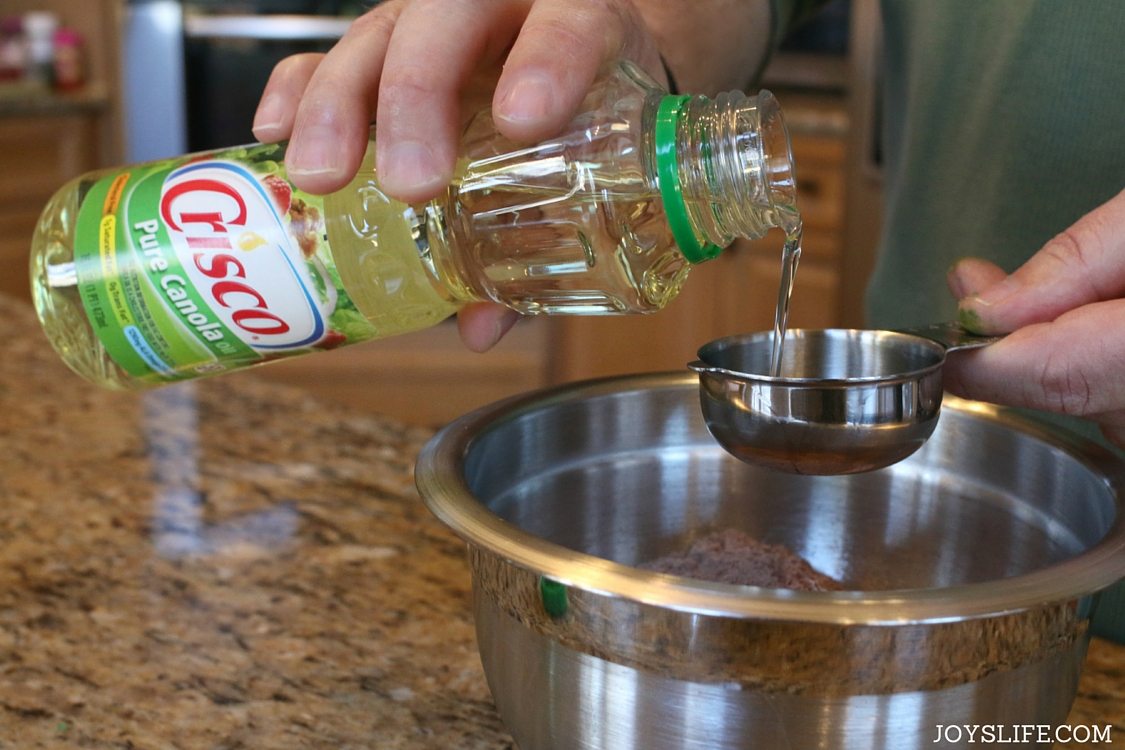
(790, 257)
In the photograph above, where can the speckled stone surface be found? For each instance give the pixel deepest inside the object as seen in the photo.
(234, 565)
(226, 565)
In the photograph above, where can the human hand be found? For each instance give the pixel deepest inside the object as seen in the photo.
(1065, 309)
(415, 65)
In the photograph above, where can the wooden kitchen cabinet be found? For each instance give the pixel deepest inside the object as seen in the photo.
(38, 154)
(426, 378)
(46, 139)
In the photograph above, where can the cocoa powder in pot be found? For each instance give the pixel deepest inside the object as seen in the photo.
(731, 556)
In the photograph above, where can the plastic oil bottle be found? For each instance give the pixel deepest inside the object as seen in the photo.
(175, 269)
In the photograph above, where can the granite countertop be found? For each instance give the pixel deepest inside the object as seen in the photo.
(232, 564)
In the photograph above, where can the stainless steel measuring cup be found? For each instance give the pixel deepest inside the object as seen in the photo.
(846, 400)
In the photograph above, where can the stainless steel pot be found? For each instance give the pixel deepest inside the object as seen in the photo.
(975, 562)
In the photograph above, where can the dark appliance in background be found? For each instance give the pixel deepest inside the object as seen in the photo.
(230, 50)
(815, 54)
(229, 55)
(194, 71)
(826, 33)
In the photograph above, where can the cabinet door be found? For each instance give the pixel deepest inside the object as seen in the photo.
(813, 304)
(17, 224)
(37, 156)
(427, 377)
(599, 345)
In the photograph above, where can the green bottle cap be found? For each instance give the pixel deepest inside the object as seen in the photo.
(668, 174)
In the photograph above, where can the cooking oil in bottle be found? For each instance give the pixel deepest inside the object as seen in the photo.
(181, 268)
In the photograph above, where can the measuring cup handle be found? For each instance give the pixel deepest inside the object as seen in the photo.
(951, 335)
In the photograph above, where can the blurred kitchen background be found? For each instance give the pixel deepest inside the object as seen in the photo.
(93, 83)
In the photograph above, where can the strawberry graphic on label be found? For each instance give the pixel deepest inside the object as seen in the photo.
(282, 192)
(331, 340)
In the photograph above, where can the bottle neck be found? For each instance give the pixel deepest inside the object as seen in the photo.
(724, 168)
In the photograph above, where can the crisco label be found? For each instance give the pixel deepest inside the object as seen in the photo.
(191, 266)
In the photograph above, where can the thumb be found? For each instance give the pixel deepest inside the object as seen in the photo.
(482, 324)
(1083, 264)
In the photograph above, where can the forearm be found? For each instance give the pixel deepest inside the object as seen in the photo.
(718, 45)
(710, 45)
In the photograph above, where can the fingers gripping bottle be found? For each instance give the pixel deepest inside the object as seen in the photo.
(175, 269)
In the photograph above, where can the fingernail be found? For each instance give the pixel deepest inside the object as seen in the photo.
(317, 152)
(411, 163)
(269, 114)
(529, 99)
(953, 278)
(503, 325)
(998, 292)
(956, 285)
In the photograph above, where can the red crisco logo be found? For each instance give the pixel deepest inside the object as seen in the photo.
(233, 245)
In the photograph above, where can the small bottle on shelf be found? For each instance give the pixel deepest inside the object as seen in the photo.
(70, 74)
(40, 27)
(13, 50)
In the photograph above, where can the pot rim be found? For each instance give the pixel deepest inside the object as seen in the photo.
(439, 475)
